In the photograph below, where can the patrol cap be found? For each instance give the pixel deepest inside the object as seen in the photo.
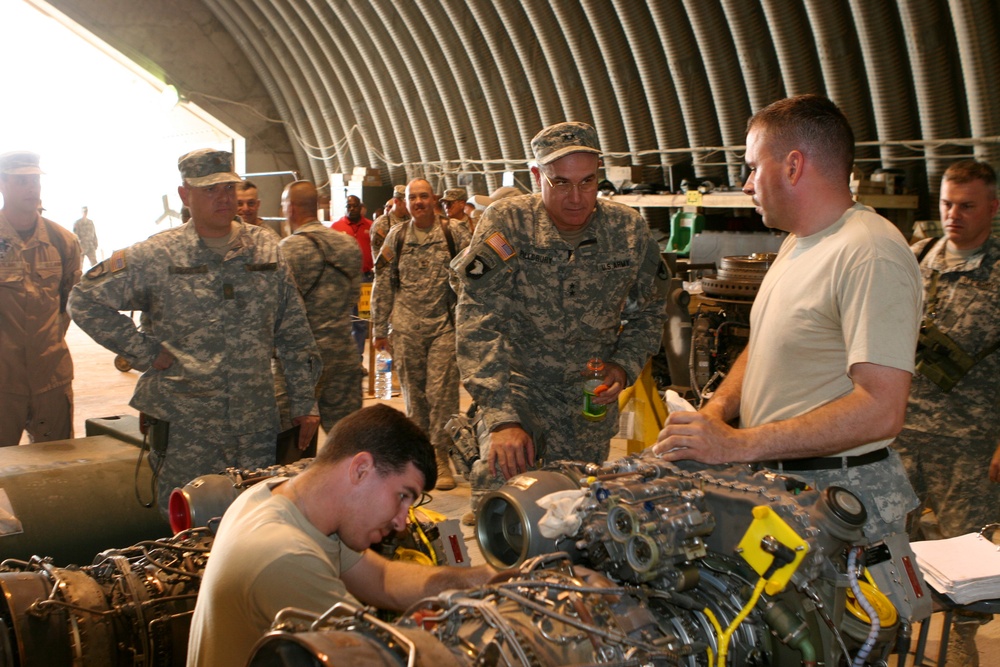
(399, 191)
(561, 139)
(19, 163)
(205, 167)
(455, 194)
(498, 194)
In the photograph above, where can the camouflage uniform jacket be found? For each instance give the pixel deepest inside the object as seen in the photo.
(329, 292)
(36, 276)
(967, 309)
(531, 306)
(380, 228)
(422, 303)
(87, 233)
(221, 318)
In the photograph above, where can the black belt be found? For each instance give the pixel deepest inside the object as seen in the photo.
(828, 462)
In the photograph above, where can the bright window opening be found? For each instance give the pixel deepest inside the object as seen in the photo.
(109, 133)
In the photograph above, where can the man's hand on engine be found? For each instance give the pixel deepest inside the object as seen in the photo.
(698, 436)
(511, 450)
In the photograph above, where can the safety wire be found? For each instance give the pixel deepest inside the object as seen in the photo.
(724, 638)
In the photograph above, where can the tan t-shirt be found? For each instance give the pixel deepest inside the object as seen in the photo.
(266, 557)
(846, 295)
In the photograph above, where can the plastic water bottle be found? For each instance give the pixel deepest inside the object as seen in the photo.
(383, 375)
(593, 386)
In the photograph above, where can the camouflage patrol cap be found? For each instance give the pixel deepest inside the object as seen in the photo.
(455, 194)
(205, 167)
(399, 191)
(20, 163)
(561, 139)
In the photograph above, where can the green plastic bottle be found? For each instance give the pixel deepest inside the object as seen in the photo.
(593, 386)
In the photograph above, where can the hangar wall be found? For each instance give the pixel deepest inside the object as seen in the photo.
(455, 89)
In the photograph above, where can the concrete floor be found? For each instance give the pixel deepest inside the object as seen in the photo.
(100, 391)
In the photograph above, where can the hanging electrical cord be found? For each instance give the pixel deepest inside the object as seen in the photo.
(751, 603)
(419, 530)
(718, 631)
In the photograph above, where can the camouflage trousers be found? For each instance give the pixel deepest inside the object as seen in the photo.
(552, 416)
(951, 477)
(882, 487)
(191, 452)
(428, 376)
(338, 391)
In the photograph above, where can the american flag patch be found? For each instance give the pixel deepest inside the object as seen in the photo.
(500, 244)
(117, 261)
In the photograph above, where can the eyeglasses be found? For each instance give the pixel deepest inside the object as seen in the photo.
(585, 186)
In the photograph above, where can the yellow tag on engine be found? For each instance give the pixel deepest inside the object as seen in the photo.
(767, 523)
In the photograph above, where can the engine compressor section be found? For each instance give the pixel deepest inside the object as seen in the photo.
(687, 565)
(720, 325)
(131, 607)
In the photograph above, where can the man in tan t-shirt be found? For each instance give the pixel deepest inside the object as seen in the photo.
(304, 542)
(821, 389)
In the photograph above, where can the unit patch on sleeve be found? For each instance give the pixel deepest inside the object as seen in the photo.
(478, 267)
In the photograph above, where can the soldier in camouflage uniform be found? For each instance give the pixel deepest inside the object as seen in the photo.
(392, 217)
(326, 265)
(413, 297)
(87, 233)
(951, 441)
(453, 202)
(547, 283)
(218, 299)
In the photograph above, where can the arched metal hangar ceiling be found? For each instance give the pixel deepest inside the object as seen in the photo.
(451, 87)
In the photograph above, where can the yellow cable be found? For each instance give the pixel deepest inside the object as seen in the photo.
(724, 643)
(422, 536)
(869, 578)
(718, 631)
